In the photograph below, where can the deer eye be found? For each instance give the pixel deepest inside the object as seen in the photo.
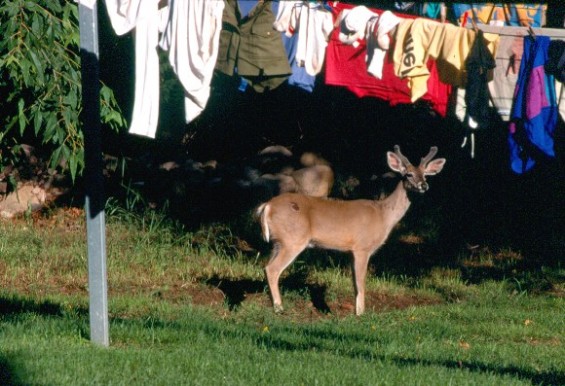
(410, 174)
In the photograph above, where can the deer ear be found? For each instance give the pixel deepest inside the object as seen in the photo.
(434, 167)
(395, 163)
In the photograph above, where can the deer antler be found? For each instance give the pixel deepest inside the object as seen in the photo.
(428, 158)
(401, 156)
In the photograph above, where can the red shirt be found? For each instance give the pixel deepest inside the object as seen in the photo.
(346, 66)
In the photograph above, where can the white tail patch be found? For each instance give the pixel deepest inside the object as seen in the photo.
(263, 213)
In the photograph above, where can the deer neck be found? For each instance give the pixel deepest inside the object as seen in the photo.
(395, 206)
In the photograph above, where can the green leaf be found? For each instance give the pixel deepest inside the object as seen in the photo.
(50, 127)
(73, 163)
(39, 69)
(37, 122)
(21, 116)
(55, 158)
(40, 81)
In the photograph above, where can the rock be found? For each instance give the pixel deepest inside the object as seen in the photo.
(25, 197)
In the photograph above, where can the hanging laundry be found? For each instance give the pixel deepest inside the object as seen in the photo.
(312, 25)
(430, 10)
(434, 10)
(246, 6)
(521, 14)
(251, 48)
(508, 58)
(192, 39)
(478, 64)
(360, 23)
(534, 113)
(305, 28)
(299, 77)
(352, 24)
(505, 74)
(498, 14)
(378, 41)
(144, 17)
(407, 7)
(420, 40)
(285, 11)
(555, 64)
(346, 66)
(481, 13)
(191, 35)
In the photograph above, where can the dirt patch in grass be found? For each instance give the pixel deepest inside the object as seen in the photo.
(197, 294)
(219, 297)
(379, 302)
(385, 302)
(220, 294)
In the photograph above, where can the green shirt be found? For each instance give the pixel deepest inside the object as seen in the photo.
(251, 47)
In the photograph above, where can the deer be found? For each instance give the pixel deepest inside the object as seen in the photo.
(294, 222)
(314, 178)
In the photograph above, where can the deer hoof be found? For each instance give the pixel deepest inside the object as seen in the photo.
(278, 309)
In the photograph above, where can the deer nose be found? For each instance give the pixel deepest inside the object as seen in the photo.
(423, 186)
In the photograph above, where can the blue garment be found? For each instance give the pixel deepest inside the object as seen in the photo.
(535, 13)
(299, 77)
(534, 111)
(432, 10)
(245, 6)
(500, 12)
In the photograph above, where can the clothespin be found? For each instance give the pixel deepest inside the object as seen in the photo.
(531, 32)
(474, 20)
(475, 28)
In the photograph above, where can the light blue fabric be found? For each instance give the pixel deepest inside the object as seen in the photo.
(245, 6)
(299, 77)
(433, 10)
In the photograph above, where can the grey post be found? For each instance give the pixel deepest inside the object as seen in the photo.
(94, 182)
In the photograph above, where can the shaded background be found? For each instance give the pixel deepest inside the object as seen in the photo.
(474, 201)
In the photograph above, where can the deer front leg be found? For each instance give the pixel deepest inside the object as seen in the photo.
(360, 263)
(281, 257)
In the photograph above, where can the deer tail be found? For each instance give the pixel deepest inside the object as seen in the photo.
(263, 213)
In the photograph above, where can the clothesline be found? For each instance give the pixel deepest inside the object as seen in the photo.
(555, 33)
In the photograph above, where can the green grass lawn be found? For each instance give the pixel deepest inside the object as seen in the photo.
(172, 321)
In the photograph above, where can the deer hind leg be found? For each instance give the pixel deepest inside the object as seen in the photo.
(360, 264)
(281, 257)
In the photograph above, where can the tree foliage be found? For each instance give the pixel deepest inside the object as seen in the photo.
(40, 83)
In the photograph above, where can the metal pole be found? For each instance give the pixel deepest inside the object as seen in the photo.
(94, 182)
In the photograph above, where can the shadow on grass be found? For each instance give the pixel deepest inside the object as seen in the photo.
(536, 377)
(11, 307)
(297, 280)
(324, 341)
(235, 290)
(7, 376)
(15, 305)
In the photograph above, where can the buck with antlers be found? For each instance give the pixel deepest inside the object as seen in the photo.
(294, 222)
